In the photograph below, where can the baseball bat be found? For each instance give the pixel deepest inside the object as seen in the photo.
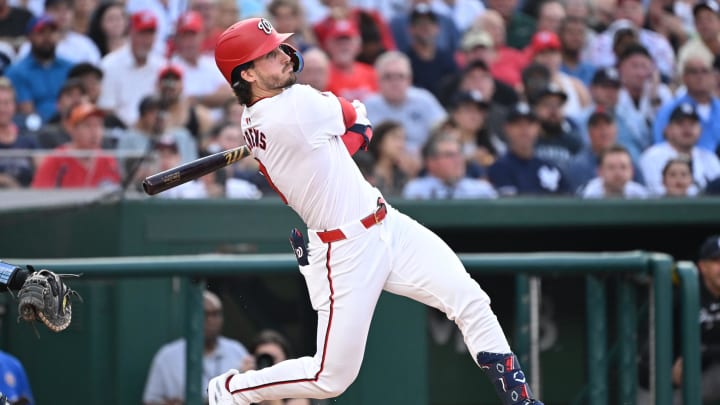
(192, 170)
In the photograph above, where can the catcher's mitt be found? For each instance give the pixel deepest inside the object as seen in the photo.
(46, 298)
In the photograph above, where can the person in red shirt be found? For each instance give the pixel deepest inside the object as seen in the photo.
(80, 163)
(348, 79)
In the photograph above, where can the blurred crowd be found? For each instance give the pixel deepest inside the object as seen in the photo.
(468, 98)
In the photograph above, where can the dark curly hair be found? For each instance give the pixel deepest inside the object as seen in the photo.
(240, 86)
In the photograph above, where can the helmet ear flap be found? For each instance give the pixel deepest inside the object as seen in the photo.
(295, 57)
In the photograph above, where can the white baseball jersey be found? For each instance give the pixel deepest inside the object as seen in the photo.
(295, 137)
(705, 166)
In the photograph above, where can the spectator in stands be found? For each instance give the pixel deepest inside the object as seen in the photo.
(165, 15)
(631, 14)
(108, 27)
(348, 78)
(232, 112)
(520, 171)
(446, 177)
(38, 77)
(468, 121)
(392, 167)
(545, 49)
(429, 64)
(316, 71)
(678, 179)
(476, 77)
(15, 171)
(286, 16)
(671, 19)
(166, 378)
(151, 126)
(477, 46)
(508, 62)
(228, 14)
(560, 137)
(132, 70)
(550, 15)
(615, 173)
(180, 111)
(202, 82)
(210, 11)
(80, 163)
(82, 13)
(605, 94)
(706, 15)
(642, 93)
(573, 37)
(681, 134)
(13, 23)
(699, 79)
(463, 12)
(448, 37)
(270, 347)
(602, 130)
(415, 108)
(375, 35)
(91, 78)
(14, 384)
(72, 46)
(519, 26)
(71, 94)
(708, 264)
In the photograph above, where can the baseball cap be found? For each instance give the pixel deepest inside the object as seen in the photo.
(710, 249)
(83, 111)
(684, 110)
(143, 21)
(475, 38)
(598, 115)
(343, 29)
(632, 50)
(422, 10)
(72, 83)
(84, 68)
(545, 41)
(711, 5)
(37, 23)
(192, 21)
(149, 103)
(167, 142)
(474, 97)
(608, 76)
(170, 70)
(550, 89)
(520, 111)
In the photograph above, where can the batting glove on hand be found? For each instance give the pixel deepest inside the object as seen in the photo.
(359, 109)
(218, 393)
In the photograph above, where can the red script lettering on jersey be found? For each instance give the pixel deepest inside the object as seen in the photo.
(254, 137)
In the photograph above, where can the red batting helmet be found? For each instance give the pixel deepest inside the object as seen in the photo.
(245, 41)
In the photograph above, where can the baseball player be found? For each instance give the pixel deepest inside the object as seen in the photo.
(358, 244)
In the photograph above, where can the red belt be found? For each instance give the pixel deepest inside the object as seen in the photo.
(376, 217)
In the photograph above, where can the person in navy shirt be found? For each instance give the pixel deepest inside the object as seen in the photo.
(520, 171)
(38, 77)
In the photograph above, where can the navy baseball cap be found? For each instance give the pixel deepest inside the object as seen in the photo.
(551, 89)
(469, 97)
(598, 115)
(684, 110)
(520, 111)
(608, 76)
(38, 23)
(711, 5)
(710, 249)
